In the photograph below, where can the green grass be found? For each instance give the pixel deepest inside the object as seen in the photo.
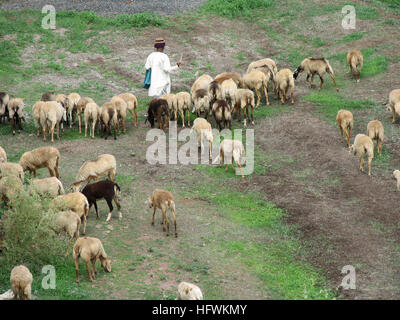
(353, 36)
(234, 8)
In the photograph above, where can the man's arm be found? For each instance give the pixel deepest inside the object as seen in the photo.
(167, 66)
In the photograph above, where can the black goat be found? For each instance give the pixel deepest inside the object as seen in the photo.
(158, 110)
(105, 189)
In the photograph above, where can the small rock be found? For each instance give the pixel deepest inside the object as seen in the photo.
(133, 154)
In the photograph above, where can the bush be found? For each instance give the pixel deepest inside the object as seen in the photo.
(234, 8)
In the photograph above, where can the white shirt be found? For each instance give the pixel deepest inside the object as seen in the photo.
(160, 70)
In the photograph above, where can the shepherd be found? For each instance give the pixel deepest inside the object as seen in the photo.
(158, 69)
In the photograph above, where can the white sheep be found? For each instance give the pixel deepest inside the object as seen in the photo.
(363, 145)
(41, 158)
(51, 115)
(103, 165)
(183, 102)
(396, 174)
(51, 187)
(11, 169)
(3, 155)
(72, 105)
(203, 131)
(91, 114)
(21, 282)
(69, 222)
(36, 114)
(189, 291)
(231, 149)
(16, 113)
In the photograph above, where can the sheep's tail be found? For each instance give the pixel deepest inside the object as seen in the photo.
(117, 189)
(328, 67)
(86, 208)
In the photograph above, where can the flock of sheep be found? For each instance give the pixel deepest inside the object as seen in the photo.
(226, 94)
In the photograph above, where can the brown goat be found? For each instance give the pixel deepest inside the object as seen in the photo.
(158, 110)
(163, 200)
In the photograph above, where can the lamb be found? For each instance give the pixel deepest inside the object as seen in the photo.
(75, 202)
(233, 149)
(203, 130)
(48, 96)
(171, 101)
(132, 104)
(11, 169)
(201, 102)
(73, 99)
(91, 114)
(80, 108)
(189, 291)
(50, 187)
(108, 118)
(21, 282)
(4, 99)
(51, 115)
(40, 158)
(158, 109)
(90, 250)
(222, 114)
(36, 114)
(284, 82)
(104, 164)
(10, 188)
(69, 222)
(228, 92)
(256, 80)
(183, 103)
(3, 155)
(16, 113)
(236, 77)
(163, 200)
(345, 121)
(105, 189)
(363, 145)
(122, 108)
(394, 103)
(376, 132)
(396, 174)
(313, 66)
(244, 100)
(355, 61)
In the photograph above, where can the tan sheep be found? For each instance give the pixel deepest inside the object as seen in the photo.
(284, 83)
(244, 100)
(108, 119)
(256, 80)
(228, 92)
(11, 169)
(201, 83)
(80, 109)
(363, 145)
(376, 132)
(231, 149)
(345, 122)
(10, 188)
(313, 66)
(63, 100)
(69, 222)
(163, 200)
(183, 103)
(394, 103)
(72, 106)
(36, 114)
(16, 113)
(90, 250)
(51, 115)
(43, 157)
(91, 116)
(50, 187)
(236, 77)
(203, 131)
(132, 104)
(3, 155)
(201, 103)
(355, 62)
(189, 291)
(262, 63)
(396, 174)
(21, 282)
(171, 101)
(103, 165)
(76, 202)
(122, 111)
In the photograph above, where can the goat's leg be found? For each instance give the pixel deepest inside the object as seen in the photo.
(188, 116)
(266, 94)
(322, 81)
(154, 213)
(91, 278)
(52, 131)
(94, 260)
(291, 95)
(369, 165)
(118, 205)
(174, 217)
(56, 171)
(76, 269)
(84, 224)
(379, 146)
(362, 163)
(341, 133)
(240, 168)
(258, 97)
(51, 171)
(164, 213)
(95, 207)
(110, 207)
(334, 81)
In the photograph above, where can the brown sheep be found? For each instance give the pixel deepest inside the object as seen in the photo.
(201, 83)
(122, 109)
(256, 80)
(80, 109)
(16, 113)
(228, 92)
(236, 77)
(233, 150)
(262, 63)
(201, 101)
(345, 121)
(284, 82)
(183, 103)
(36, 114)
(73, 99)
(394, 103)
(21, 282)
(108, 118)
(132, 103)
(355, 62)
(41, 158)
(376, 132)
(244, 100)
(222, 114)
(171, 101)
(48, 96)
(163, 200)
(158, 109)
(363, 145)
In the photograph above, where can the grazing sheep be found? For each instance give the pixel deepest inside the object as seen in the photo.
(236, 77)
(3, 155)
(11, 169)
(396, 174)
(75, 202)
(233, 149)
(183, 103)
(244, 100)
(80, 108)
(63, 100)
(345, 121)
(91, 114)
(256, 80)
(108, 118)
(10, 188)
(355, 61)
(203, 130)
(90, 250)
(228, 92)
(51, 115)
(72, 106)
(132, 104)
(21, 282)
(16, 113)
(50, 187)
(222, 114)
(48, 96)
(171, 101)
(158, 109)
(201, 102)
(376, 132)
(363, 145)
(36, 114)
(69, 222)
(41, 158)
(214, 91)
(107, 190)
(4, 98)
(189, 291)
(201, 82)
(284, 82)
(313, 66)
(394, 103)
(122, 108)
(103, 165)
(163, 200)
(261, 64)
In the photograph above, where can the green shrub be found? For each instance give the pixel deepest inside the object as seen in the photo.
(234, 8)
